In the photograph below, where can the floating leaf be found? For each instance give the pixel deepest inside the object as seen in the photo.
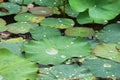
(41, 11)
(13, 45)
(44, 32)
(110, 33)
(23, 9)
(80, 31)
(49, 3)
(13, 67)
(20, 27)
(66, 72)
(9, 8)
(58, 22)
(2, 22)
(99, 11)
(103, 68)
(55, 50)
(108, 51)
(21, 1)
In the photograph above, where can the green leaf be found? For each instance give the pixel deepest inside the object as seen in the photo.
(2, 22)
(66, 72)
(57, 22)
(108, 51)
(80, 31)
(84, 18)
(103, 68)
(39, 33)
(13, 46)
(55, 50)
(21, 1)
(49, 3)
(9, 8)
(14, 67)
(110, 33)
(21, 27)
(100, 11)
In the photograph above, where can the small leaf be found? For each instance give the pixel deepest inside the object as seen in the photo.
(13, 67)
(66, 72)
(21, 1)
(2, 22)
(55, 50)
(61, 23)
(103, 68)
(80, 31)
(39, 33)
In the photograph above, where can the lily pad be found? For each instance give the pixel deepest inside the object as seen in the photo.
(13, 45)
(66, 72)
(110, 33)
(61, 23)
(20, 27)
(41, 11)
(39, 33)
(21, 1)
(98, 10)
(2, 22)
(80, 31)
(103, 68)
(55, 50)
(49, 2)
(13, 67)
(9, 8)
(108, 51)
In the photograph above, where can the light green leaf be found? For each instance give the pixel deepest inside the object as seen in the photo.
(103, 68)
(41, 32)
(55, 50)
(21, 1)
(66, 72)
(108, 51)
(21, 27)
(14, 67)
(2, 22)
(110, 33)
(80, 31)
(61, 23)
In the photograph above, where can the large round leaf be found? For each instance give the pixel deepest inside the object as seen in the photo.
(49, 2)
(44, 32)
(66, 72)
(58, 22)
(9, 8)
(108, 51)
(55, 50)
(80, 31)
(20, 27)
(103, 68)
(13, 67)
(99, 10)
(110, 33)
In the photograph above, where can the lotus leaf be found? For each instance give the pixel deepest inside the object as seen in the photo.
(110, 33)
(55, 50)
(66, 72)
(21, 27)
(57, 22)
(80, 31)
(2, 22)
(39, 33)
(13, 45)
(41, 11)
(99, 10)
(13, 67)
(49, 2)
(21, 1)
(108, 51)
(103, 68)
(9, 8)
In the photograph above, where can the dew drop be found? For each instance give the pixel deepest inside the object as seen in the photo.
(113, 75)
(63, 56)
(111, 51)
(51, 51)
(71, 42)
(44, 35)
(107, 65)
